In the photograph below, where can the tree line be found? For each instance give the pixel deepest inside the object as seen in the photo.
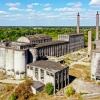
(13, 33)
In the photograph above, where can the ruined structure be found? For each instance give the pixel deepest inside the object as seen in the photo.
(48, 71)
(22, 58)
(95, 61)
(38, 38)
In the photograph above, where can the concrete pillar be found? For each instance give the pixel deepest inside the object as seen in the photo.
(62, 78)
(54, 84)
(58, 82)
(78, 23)
(89, 44)
(97, 26)
(65, 76)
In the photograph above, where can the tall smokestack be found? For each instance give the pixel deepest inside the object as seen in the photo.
(89, 43)
(78, 23)
(97, 26)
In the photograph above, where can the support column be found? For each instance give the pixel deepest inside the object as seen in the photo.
(97, 26)
(62, 79)
(78, 23)
(65, 76)
(58, 82)
(89, 44)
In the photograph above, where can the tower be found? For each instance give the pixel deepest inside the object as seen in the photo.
(97, 26)
(78, 23)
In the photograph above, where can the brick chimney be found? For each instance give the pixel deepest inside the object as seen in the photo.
(78, 23)
(97, 26)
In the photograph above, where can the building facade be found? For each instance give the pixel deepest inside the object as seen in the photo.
(48, 71)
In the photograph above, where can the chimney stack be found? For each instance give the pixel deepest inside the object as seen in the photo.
(97, 26)
(78, 23)
(89, 43)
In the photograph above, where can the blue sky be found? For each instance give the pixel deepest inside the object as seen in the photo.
(48, 12)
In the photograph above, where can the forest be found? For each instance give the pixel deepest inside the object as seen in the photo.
(13, 33)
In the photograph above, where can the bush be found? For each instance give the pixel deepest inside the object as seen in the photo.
(69, 91)
(49, 88)
(12, 96)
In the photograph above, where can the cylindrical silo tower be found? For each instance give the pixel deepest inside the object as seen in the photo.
(33, 55)
(9, 61)
(95, 64)
(20, 61)
(2, 58)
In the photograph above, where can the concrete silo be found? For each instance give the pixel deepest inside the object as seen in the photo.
(20, 61)
(33, 55)
(2, 58)
(9, 61)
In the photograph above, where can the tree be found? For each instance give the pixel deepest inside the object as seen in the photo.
(49, 88)
(69, 91)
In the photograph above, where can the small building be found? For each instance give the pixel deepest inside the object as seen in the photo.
(38, 38)
(37, 86)
(48, 71)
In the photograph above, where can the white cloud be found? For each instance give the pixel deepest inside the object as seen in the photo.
(65, 9)
(13, 4)
(61, 9)
(95, 3)
(76, 4)
(33, 4)
(47, 4)
(3, 13)
(47, 9)
(14, 9)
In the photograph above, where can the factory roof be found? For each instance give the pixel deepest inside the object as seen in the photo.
(48, 65)
(37, 84)
(73, 34)
(37, 37)
(15, 44)
(50, 43)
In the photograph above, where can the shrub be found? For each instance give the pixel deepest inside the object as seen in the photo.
(49, 88)
(12, 96)
(69, 91)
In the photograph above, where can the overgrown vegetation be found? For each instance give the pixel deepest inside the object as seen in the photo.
(49, 88)
(13, 33)
(23, 92)
(69, 91)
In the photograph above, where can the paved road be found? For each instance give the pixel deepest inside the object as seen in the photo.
(11, 81)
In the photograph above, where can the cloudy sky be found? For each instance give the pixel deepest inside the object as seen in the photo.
(47, 12)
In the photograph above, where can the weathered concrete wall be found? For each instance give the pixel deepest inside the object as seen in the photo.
(2, 57)
(95, 65)
(20, 61)
(9, 59)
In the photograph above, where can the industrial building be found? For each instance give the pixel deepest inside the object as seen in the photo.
(48, 71)
(25, 57)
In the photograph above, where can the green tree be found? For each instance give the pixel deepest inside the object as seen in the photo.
(49, 88)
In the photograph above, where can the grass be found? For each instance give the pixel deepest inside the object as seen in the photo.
(81, 71)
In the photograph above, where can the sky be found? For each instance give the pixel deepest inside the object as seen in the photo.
(48, 12)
